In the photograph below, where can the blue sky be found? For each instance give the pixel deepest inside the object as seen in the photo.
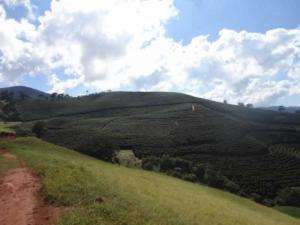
(208, 17)
(238, 50)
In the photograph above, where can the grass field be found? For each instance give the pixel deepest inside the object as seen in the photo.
(106, 194)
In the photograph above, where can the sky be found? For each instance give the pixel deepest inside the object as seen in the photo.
(235, 50)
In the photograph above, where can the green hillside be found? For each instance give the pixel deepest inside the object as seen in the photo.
(103, 193)
(226, 138)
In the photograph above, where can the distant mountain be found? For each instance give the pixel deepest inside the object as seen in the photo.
(290, 109)
(18, 91)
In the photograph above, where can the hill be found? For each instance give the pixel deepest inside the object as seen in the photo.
(96, 192)
(24, 92)
(290, 109)
(251, 152)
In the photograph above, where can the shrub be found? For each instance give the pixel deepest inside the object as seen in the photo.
(231, 186)
(268, 202)
(256, 197)
(199, 171)
(289, 196)
(184, 165)
(151, 163)
(100, 147)
(39, 128)
(166, 163)
(213, 178)
(174, 173)
(189, 177)
(127, 158)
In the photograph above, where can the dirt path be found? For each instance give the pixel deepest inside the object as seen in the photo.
(20, 203)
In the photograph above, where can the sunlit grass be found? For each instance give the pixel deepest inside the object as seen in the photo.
(107, 194)
(6, 126)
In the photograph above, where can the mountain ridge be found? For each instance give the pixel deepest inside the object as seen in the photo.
(28, 91)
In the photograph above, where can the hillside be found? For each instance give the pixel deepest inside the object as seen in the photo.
(101, 193)
(256, 150)
(290, 109)
(19, 92)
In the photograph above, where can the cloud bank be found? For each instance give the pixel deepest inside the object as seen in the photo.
(124, 45)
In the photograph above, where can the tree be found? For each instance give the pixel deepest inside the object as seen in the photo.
(23, 95)
(53, 95)
(281, 109)
(60, 96)
(249, 105)
(289, 196)
(9, 106)
(7, 96)
(241, 104)
(100, 146)
(39, 128)
(225, 102)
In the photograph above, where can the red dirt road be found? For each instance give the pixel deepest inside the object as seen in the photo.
(20, 203)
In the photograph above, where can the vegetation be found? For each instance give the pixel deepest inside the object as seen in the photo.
(127, 158)
(229, 139)
(289, 196)
(39, 128)
(292, 211)
(8, 111)
(103, 193)
(189, 171)
(4, 127)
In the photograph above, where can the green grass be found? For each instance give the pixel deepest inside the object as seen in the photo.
(293, 211)
(132, 196)
(4, 127)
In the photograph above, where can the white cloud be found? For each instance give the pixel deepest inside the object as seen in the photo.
(18, 54)
(121, 44)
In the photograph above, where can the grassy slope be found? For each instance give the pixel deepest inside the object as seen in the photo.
(132, 196)
(293, 211)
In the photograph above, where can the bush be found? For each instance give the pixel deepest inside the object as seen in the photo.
(151, 163)
(170, 163)
(39, 128)
(175, 173)
(189, 177)
(100, 147)
(199, 171)
(289, 197)
(268, 202)
(231, 186)
(127, 158)
(256, 197)
(184, 165)
(213, 178)
(166, 163)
